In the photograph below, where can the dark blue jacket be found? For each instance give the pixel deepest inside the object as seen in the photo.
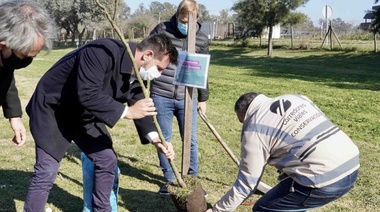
(82, 94)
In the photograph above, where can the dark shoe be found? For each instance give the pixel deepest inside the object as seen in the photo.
(164, 189)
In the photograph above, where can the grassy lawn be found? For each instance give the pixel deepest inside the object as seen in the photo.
(345, 85)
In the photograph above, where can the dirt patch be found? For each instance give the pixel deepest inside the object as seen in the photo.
(190, 199)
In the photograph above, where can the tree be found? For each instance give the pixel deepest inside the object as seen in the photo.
(223, 16)
(375, 27)
(169, 11)
(125, 11)
(293, 19)
(120, 12)
(162, 11)
(141, 22)
(222, 22)
(248, 23)
(342, 27)
(267, 13)
(141, 10)
(74, 16)
(204, 13)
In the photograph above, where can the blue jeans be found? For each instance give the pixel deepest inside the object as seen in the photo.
(88, 185)
(291, 196)
(167, 108)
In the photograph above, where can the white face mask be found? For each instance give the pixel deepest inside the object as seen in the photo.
(150, 73)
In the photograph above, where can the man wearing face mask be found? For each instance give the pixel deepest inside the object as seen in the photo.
(169, 98)
(25, 28)
(79, 97)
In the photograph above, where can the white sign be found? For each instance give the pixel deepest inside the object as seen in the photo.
(326, 11)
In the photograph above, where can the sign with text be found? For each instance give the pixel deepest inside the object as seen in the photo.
(192, 69)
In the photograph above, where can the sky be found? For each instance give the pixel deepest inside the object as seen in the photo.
(351, 11)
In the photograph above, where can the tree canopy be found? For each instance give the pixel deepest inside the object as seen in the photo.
(82, 19)
(261, 14)
(376, 22)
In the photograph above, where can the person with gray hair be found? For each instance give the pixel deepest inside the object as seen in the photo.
(25, 28)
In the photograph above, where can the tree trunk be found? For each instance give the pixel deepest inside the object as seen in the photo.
(374, 42)
(270, 43)
(291, 36)
(261, 40)
(72, 39)
(80, 36)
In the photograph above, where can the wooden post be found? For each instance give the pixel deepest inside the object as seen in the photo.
(188, 99)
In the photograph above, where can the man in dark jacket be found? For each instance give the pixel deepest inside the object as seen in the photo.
(169, 98)
(79, 97)
(25, 28)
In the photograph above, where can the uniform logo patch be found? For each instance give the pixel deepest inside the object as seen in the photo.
(280, 107)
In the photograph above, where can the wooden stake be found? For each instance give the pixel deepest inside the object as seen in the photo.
(191, 37)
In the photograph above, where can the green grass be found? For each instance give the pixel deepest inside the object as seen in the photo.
(345, 85)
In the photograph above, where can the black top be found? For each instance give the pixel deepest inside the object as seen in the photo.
(9, 99)
(87, 86)
(164, 85)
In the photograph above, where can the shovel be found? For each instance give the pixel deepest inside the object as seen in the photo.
(261, 187)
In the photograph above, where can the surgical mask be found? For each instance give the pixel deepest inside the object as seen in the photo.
(182, 28)
(13, 62)
(150, 73)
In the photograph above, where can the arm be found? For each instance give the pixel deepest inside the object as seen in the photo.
(94, 64)
(12, 105)
(145, 126)
(18, 128)
(202, 98)
(12, 111)
(254, 157)
(203, 94)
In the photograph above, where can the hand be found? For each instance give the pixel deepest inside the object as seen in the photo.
(142, 108)
(209, 210)
(202, 107)
(168, 150)
(19, 130)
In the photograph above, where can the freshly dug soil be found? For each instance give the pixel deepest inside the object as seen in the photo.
(191, 198)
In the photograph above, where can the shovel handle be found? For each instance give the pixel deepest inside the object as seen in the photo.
(262, 187)
(218, 137)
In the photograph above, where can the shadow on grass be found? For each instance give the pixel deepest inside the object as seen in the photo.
(140, 174)
(14, 186)
(143, 200)
(334, 69)
(130, 200)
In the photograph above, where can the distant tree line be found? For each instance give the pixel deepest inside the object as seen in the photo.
(81, 20)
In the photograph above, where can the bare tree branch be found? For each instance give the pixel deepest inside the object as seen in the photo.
(145, 90)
